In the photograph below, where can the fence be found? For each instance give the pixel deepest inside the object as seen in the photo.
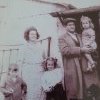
(10, 54)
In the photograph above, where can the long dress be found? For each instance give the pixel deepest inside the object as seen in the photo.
(32, 71)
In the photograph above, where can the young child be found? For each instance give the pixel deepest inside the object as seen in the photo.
(12, 86)
(88, 40)
(52, 80)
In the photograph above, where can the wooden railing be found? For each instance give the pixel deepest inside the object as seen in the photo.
(10, 54)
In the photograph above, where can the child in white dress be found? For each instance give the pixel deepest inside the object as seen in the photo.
(88, 40)
(52, 80)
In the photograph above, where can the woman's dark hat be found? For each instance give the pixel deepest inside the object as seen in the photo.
(67, 20)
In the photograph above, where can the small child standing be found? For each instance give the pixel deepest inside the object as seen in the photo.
(52, 80)
(12, 86)
(88, 40)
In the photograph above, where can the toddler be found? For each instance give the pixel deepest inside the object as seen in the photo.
(12, 86)
(88, 40)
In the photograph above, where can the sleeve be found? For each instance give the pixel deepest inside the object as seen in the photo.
(22, 52)
(92, 35)
(92, 39)
(3, 85)
(21, 58)
(3, 81)
(67, 50)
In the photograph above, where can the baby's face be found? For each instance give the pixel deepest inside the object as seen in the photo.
(13, 72)
(50, 64)
(85, 24)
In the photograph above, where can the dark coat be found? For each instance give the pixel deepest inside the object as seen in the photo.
(70, 52)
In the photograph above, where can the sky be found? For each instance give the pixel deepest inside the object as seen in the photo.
(79, 3)
(13, 25)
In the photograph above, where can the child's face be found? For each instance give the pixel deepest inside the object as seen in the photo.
(13, 73)
(50, 64)
(85, 24)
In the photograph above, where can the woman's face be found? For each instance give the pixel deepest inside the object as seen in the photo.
(85, 24)
(32, 35)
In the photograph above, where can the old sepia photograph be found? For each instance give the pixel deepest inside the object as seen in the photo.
(49, 49)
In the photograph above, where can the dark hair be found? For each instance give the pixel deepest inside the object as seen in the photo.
(26, 33)
(46, 61)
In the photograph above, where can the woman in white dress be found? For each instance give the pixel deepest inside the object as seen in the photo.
(32, 69)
